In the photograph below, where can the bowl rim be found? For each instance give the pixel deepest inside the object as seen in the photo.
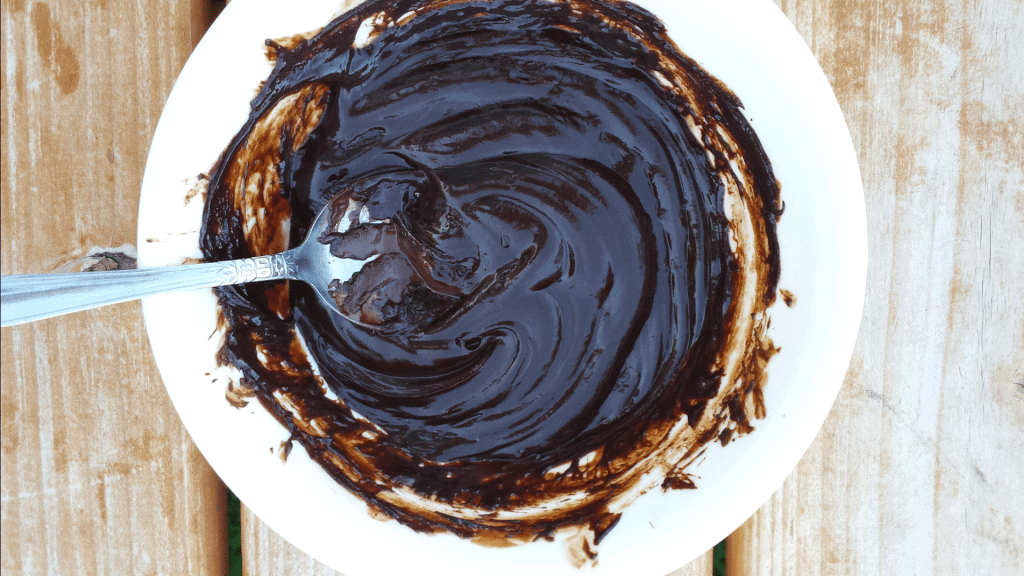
(755, 51)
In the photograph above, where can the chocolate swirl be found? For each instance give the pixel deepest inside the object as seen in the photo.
(550, 190)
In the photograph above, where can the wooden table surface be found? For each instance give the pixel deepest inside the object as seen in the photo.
(918, 469)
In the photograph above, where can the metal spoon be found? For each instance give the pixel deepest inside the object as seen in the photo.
(31, 297)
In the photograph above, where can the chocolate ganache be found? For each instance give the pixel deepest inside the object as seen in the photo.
(573, 232)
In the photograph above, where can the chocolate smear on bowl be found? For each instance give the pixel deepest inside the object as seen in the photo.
(574, 231)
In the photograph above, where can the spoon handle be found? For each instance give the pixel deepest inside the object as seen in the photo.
(31, 297)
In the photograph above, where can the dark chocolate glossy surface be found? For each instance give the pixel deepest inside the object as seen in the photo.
(554, 277)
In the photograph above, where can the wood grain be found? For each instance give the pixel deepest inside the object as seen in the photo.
(919, 467)
(98, 475)
(265, 552)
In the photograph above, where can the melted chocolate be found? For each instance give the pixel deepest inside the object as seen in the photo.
(555, 307)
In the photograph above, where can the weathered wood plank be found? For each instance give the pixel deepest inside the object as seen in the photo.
(919, 467)
(98, 475)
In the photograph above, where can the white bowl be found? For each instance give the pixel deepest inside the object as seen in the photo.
(748, 44)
